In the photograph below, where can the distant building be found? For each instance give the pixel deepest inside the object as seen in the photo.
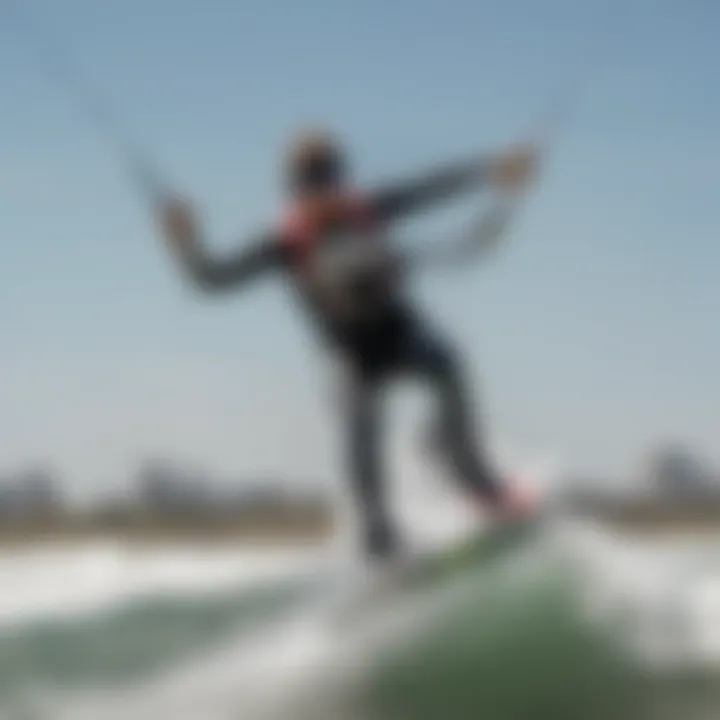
(163, 490)
(677, 474)
(29, 494)
(166, 490)
(679, 492)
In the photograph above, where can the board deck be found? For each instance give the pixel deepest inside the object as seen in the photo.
(473, 551)
(414, 574)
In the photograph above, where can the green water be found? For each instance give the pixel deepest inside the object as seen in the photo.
(123, 646)
(526, 651)
(510, 657)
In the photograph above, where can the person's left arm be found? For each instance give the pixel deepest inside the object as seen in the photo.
(445, 182)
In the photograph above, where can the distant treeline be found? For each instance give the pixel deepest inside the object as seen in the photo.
(166, 501)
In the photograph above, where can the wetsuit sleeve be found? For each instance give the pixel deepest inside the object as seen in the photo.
(398, 200)
(259, 256)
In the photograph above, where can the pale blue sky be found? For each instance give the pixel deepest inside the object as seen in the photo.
(595, 332)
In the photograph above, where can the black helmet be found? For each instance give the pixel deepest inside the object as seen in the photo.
(314, 161)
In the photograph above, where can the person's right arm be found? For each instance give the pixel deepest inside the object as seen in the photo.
(260, 255)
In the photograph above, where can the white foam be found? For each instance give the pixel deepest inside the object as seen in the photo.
(665, 594)
(78, 580)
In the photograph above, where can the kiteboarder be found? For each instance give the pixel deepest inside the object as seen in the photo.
(333, 244)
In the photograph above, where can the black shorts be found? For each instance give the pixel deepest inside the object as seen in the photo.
(383, 346)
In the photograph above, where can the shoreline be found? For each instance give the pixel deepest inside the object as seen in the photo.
(646, 518)
(146, 531)
(305, 530)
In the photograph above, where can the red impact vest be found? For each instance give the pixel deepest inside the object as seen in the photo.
(306, 223)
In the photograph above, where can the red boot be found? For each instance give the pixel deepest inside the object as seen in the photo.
(516, 502)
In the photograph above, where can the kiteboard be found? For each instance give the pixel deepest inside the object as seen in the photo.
(416, 572)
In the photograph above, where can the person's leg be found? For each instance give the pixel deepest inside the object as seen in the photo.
(364, 447)
(456, 433)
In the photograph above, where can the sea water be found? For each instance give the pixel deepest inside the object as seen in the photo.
(583, 624)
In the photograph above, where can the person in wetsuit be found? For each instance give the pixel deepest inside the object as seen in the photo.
(334, 245)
